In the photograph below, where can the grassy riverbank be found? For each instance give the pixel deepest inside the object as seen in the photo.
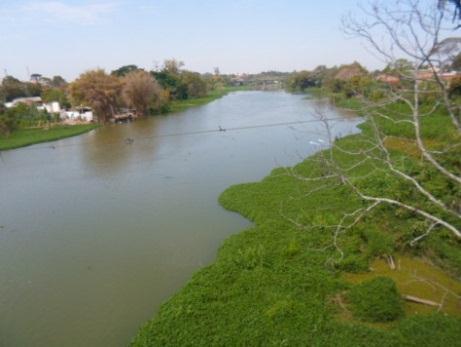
(279, 283)
(182, 105)
(26, 137)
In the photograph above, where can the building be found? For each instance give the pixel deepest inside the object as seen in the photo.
(389, 79)
(52, 107)
(78, 114)
(29, 101)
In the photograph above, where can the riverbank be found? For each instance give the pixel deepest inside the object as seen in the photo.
(27, 137)
(283, 282)
(182, 105)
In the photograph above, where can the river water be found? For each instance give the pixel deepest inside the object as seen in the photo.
(98, 230)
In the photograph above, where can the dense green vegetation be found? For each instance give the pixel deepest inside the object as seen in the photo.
(377, 300)
(29, 136)
(182, 105)
(276, 283)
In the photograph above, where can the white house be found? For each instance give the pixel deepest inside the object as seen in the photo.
(34, 100)
(52, 107)
(80, 113)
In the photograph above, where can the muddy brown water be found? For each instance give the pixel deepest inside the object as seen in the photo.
(96, 231)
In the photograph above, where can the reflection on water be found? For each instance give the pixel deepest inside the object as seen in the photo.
(96, 233)
(110, 149)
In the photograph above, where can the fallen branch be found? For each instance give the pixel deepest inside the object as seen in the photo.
(417, 300)
(390, 261)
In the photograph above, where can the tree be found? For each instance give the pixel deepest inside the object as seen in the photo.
(56, 94)
(8, 123)
(170, 79)
(12, 88)
(195, 86)
(457, 7)
(58, 82)
(456, 63)
(300, 81)
(140, 90)
(173, 66)
(399, 167)
(414, 29)
(99, 90)
(399, 66)
(124, 70)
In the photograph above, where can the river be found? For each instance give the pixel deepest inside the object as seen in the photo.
(96, 231)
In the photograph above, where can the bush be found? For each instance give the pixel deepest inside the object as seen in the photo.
(8, 123)
(377, 300)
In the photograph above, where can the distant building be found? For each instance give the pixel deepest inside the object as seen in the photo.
(389, 79)
(78, 114)
(425, 74)
(429, 75)
(51, 107)
(29, 101)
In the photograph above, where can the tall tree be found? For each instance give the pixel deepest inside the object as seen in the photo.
(58, 82)
(383, 173)
(99, 90)
(195, 85)
(412, 29)
(173, 66)
(124, 70)
(140, 90)
(13, 88)
(56, 94)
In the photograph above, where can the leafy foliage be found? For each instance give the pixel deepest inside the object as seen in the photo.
(98, 90)
(377, 300)
(56, 94)
(11, 88)
(8, 123)
(140, 90)
(125, 70)
(272, 284)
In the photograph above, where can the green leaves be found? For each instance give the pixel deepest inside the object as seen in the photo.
(377, 300)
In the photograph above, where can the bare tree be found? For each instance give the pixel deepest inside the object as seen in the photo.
(140, 90)
(420, 32)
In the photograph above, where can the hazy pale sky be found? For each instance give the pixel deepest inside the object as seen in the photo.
(67, 37)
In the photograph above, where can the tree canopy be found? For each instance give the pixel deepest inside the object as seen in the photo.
(99, 90)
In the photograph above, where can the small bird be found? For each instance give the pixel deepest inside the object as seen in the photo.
(129, 140)
(221, 129)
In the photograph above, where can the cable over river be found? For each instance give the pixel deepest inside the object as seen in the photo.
(97, 231)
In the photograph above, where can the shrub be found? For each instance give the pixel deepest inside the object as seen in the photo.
(8, 123)
(377, 300)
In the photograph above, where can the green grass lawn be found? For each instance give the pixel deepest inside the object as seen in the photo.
(26, 137)
(278, 284)
(182, 105)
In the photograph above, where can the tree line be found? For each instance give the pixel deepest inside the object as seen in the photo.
(128, 87)
(351, 80)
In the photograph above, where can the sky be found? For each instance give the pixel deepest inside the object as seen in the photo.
(68, 37)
